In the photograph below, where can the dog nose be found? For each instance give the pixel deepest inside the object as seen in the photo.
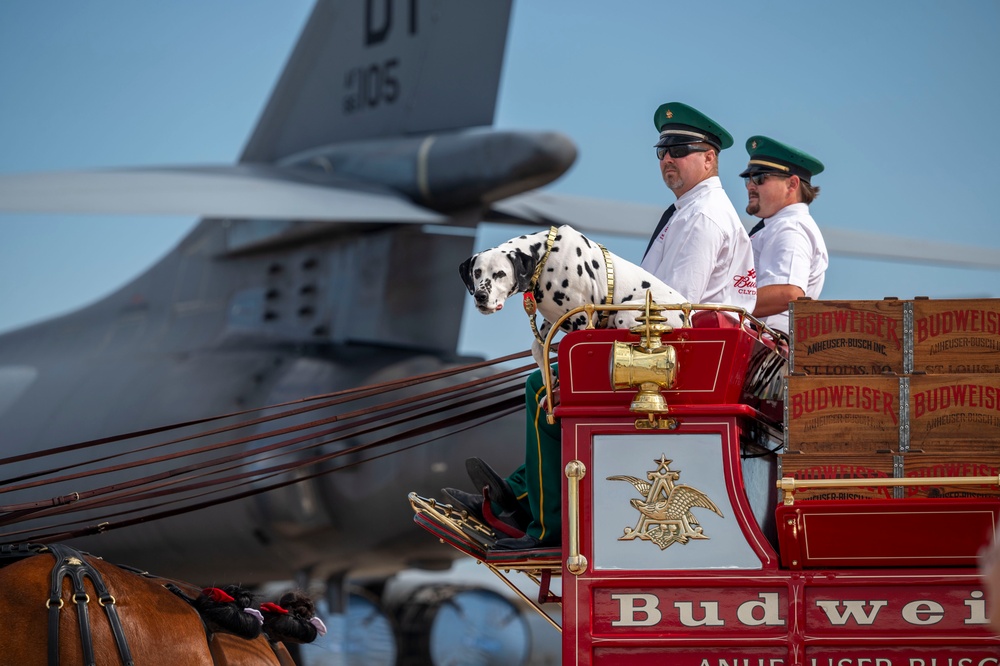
(481, 297)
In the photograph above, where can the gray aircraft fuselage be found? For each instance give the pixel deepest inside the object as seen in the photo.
(252, 310)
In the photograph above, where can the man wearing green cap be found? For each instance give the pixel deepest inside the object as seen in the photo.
(788, 248)
(700, 247)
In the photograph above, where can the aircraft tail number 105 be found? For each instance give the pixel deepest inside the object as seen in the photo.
(368, 86)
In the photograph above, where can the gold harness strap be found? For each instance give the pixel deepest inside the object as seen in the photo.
(609, 268)
(531, 307)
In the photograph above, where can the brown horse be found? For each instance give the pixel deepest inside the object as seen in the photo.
(127, 618)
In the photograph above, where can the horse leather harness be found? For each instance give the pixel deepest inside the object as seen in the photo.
(71, 564)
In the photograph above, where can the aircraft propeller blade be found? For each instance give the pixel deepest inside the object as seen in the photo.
(632, 219)
(237, 192)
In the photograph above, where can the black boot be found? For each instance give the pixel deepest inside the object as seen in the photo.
(473, 505)
(469, 502)
(483, 476)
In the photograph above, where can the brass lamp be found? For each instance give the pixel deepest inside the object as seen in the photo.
(650, 365)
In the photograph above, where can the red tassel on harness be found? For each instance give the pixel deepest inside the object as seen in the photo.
(269, 607)
(217, 595)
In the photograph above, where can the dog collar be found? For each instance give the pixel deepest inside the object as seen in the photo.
(609, 268)
(530, 306)
(549, 242)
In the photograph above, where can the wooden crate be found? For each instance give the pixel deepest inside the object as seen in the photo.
(847, 337)
(956, 336)
(804, 466)
(954, 413)
(922, 465)
(858, 414)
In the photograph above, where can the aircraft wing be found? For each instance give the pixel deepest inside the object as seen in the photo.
(869, 245)
(584, 213)
(633, 219)
(236, 192)
(261, 191)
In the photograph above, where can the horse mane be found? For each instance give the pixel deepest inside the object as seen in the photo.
(226, 612)
(292, 625)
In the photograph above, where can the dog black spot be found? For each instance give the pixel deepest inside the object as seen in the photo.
(548, 286)
(594, 262)
(585, 240)
(579, 251)
(646, 285)
(579, 270)
(579, 322)
(539, 294)
(565, 284)
(534, 249)
(558, 297)
(590, 272)
(626, 299)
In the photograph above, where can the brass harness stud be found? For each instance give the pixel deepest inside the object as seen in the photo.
(650, 365)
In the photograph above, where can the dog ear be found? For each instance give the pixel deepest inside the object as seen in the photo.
(465, 270)
(524, 267)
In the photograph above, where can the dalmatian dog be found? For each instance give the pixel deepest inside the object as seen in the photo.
(573, 274)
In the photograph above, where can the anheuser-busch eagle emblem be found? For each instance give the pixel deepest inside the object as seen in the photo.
(665, 507)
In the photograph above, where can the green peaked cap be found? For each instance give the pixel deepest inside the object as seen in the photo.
(679, 123)
(770, 156)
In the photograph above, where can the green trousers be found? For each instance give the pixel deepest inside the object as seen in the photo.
(538, 482)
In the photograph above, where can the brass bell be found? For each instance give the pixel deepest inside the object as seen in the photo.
(649, 370)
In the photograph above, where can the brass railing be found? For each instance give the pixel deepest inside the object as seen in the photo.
(789, 485)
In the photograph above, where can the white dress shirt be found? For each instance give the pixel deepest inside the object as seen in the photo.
(790, 250)
(704, 252)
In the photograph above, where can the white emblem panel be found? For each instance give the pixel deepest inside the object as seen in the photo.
(641, 481)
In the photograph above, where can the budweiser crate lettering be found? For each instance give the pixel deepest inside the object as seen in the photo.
(956, 336)
(842, 414)
(955, 413)
(923, 465)
(806, 466)
(847, 337)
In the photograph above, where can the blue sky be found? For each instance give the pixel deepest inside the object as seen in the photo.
(898, 99)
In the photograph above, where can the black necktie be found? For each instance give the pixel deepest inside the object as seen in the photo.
(757, 227)
(659, 227)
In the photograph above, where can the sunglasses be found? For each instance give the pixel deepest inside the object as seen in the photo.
(678, 152)
(759, 178)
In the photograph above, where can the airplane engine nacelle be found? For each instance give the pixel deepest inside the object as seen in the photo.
(449, 172)
(454, 624)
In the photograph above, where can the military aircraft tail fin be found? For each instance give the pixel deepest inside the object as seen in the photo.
(381, 68)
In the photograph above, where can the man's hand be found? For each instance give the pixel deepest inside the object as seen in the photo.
(775, 298)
